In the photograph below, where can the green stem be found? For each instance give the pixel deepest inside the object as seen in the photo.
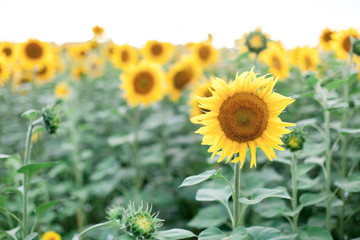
(94, 227)
(294, 190)
(328, 169)
(138, 178)
(236, 195)
(26, 179)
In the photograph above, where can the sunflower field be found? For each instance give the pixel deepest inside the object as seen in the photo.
(102, 141)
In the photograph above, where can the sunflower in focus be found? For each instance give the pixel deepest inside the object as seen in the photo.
(78, 72)
(98, 31)
(34, 53)
(341, 43)
(326, 39)
(79, 52)
(7, 50)
(200, 90)
(45, 73)
(124, 56)
(4, 71)
(243, 114)
(51, 236)
(143, 83)
(62, 90)
(205, 54)
(181, 76)
(308, 59)
(274, 57)
(158, 52)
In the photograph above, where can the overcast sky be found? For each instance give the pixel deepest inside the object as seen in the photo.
(178, 21)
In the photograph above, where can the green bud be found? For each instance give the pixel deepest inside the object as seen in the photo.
(51, 115)
(356, 47)
(256, 41)
(294, 141)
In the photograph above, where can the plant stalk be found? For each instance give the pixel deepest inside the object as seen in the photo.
(294, 190)
(237, 195)
(328, 170)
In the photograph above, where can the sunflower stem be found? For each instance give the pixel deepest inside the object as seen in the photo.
(294, 190)
(236, 195)
(328, 169)
(138, 178)
(26, 179)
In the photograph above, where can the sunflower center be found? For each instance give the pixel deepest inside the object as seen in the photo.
(143, 82)
(42, 71)
(243, 117)
(24, 80)
(183, 77)
(204, 52)
(7, 51)
(327, 36)
(124, 56)
(110, 50)
(256, 41)
(346, 44)
(276, 63)
(156, 49)
(34, 50)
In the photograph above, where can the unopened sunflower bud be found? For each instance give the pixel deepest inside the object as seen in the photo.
(356, 47)
(256, 41)
(51, 115)
(294, 141)
(114, 213)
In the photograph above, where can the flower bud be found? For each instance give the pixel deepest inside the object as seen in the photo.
(294, 141)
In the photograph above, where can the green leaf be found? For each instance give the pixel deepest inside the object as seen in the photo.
(238, 234)
(267, 233)
(304, 182)
(270, 208)
(311, 80)
(260, 194)
(211, 216)
(2, 201)
(334, 84)
(351, 184)
(292, 213)
(123, 237)
(306, 122)
(32, 168)
(349, 131)
(44, 207)
(209, 194)
(4, 156)
(308, 199)
(211, 233)
(175, 233)
(12, 232)
(316, 160)
(315, 233)
(30, 114)
(31, 236)
(196, 179)
(302, 169)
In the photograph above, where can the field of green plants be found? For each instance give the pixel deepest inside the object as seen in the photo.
(103, 141)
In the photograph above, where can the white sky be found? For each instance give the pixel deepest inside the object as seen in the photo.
(297, 22)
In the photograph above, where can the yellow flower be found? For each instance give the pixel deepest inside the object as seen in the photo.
(326, 39)
(274, 57)
(200, 90)
(205, 54)
(4, 71)
(243, 114)
(77, 72)
(308, 59)
(22, 78)
(51, 236)
(79, 52)
(341, 43)
(294, 56)
(124, 56)
(181, 75)
(98, 31)
(62, 90)
(45, 73)
(158, 52)
(34, 53)
(7, 50)
(143, 83)
(109, 50)
(95, 67)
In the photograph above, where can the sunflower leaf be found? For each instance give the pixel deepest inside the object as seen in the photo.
(260, 194)
(175, 233)
(196, 179)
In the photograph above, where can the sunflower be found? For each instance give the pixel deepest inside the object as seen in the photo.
(124, 56)
(341, 43)
(308, 59)
(326, 39)
(62, 90)
(243, 114)
(109, 50)
(22, 78)
(205, 53)
(143, 83)
(4, 71)
(256, 41)
(78, 72)
(181, 75)
(200, 90)
(98, 31)
(34, 53)
(95, 68)
(45, 73)
(158, 52)
(274, 57)
(51, 236)
(7, 50)
(79, 52)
